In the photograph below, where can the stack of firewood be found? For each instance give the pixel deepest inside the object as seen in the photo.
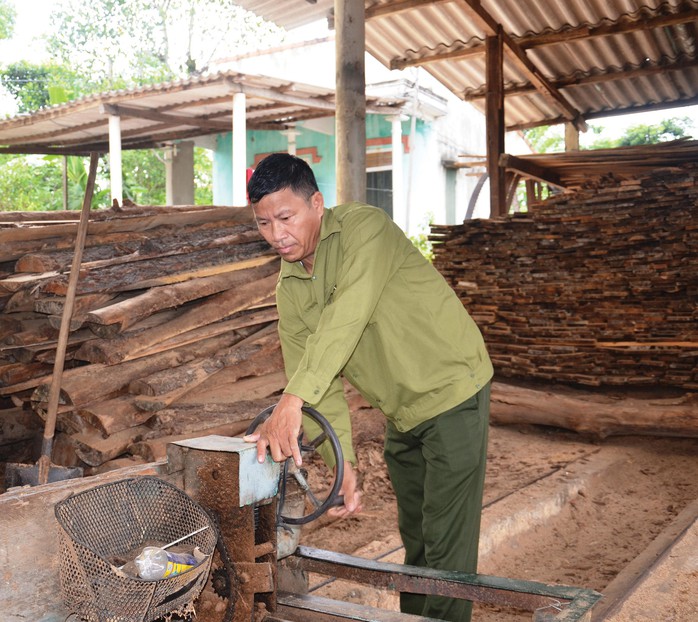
(595, 287)
(173, 330)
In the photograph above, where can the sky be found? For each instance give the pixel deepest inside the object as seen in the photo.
(33, 20)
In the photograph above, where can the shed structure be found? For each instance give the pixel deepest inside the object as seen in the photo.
(526, 64)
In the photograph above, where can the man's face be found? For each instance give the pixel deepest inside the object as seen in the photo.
(291, 224)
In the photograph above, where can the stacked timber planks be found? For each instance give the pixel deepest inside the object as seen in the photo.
(173, 333)
(594, 287)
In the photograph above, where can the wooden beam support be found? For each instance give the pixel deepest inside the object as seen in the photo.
(645, 70)
(170, 119)
(530, 170)
(398, 6)
(487, 23)
(350, 118)
(624, 26)
(495, 124)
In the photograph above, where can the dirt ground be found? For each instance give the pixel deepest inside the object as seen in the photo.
(596, 534)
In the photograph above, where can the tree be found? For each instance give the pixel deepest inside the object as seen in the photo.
(668, 129)
(30, 183)
(7, 19)
(36, 86)
(545, 138)
(114, 44)
(129, 42)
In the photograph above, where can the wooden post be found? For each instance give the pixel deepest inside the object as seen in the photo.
(571, 137)
(350, 117)
(495, 123)
(115, 172)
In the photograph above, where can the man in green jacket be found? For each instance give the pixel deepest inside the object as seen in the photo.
(357, 299)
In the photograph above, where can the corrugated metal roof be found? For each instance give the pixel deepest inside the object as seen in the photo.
(599, 56)
(160, 113)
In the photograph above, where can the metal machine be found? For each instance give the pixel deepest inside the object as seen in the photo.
(258, 572)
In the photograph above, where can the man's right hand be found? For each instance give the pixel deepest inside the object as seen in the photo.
(280, 432)
(351, 494)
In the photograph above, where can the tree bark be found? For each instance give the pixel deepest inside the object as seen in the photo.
(594, 414)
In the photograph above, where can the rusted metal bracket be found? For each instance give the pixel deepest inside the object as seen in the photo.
(548, 603)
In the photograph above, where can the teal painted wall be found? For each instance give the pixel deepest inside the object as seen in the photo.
(315, 147)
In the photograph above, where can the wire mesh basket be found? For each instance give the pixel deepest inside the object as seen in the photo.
(102, 527)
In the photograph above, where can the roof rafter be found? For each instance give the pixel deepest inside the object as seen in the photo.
(491, 28)
(607, 76)
(156, 115)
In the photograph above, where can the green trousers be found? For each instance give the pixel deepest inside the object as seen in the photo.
(437, 471)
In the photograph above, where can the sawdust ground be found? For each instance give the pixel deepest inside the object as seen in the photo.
(592, 539)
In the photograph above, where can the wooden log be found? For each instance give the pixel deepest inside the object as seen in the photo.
(83, 304)
(174, 217)
(594, 414)
(129, 311)
(179, 419)
(227, 385)
(242, 346)
(113, 415)
(15, 373)
(81, 385)
(264, 362)
(215, 308)
(162, 242)
(132, 276)
(154, 449)
(94, 449)
(248, 321)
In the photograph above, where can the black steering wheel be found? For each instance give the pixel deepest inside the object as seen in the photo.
(320, 506)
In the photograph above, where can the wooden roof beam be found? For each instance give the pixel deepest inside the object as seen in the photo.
(622, 26)
(458, 54)
(294, 100)
(398, 6)
(486, 22)
(608, 76)
(534, 41)
(170, 119)
(530, 170)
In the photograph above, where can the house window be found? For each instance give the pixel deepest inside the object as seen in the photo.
(379, 189)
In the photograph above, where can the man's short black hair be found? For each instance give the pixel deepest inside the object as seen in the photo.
(279, 171)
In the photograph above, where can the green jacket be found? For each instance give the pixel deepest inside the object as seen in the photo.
(377, 312)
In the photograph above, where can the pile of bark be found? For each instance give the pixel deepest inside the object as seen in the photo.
(595, 287)
(173, 330)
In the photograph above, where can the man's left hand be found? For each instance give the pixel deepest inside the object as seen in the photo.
(280, 432)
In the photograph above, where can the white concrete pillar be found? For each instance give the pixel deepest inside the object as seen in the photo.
(239, 177)
(291, 134)
(115, 169)
(399, 207)
(179, 174)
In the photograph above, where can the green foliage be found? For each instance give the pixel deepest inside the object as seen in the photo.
(668, 129)
(27, 83)
(643, 134)
(109, 45)
(546, 138)
(122, 43)
(37, 86)
(421, 240)
(7, 19)
(144, 176)
(30, 183)
(203, 176)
